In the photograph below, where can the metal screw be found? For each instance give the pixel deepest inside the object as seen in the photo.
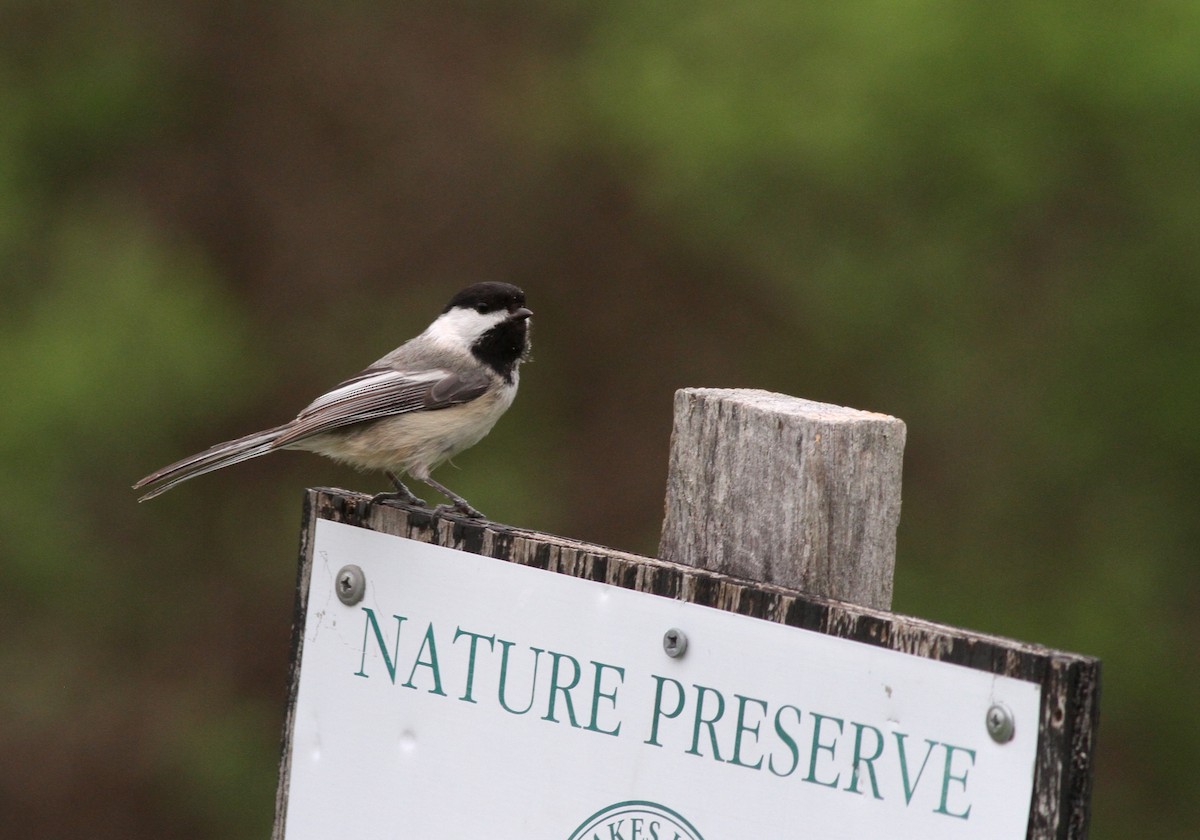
(674, 643)
(1000, 723)
(350, 585)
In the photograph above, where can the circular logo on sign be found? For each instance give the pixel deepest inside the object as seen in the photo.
(636, 821)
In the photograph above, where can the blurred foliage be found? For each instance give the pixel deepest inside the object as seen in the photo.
(977, 218)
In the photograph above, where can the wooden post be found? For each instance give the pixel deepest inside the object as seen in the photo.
(785, 491)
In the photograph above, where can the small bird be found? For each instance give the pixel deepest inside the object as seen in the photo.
(426, 401)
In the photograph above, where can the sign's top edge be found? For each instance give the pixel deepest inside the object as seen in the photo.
(483, 537)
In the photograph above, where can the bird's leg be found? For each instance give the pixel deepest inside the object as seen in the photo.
(401, 493)
(460, 504)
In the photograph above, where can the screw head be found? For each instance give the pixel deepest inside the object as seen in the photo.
(350, 584)
(674, 642)
(1000, 723)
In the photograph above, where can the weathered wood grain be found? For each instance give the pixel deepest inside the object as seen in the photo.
(1070, 682)
(785, 490)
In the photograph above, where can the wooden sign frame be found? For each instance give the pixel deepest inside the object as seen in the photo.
(1069, 682)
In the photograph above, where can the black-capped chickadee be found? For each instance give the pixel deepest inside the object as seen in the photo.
(427, 400)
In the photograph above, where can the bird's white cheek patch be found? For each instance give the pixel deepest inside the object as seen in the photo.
(459, 328)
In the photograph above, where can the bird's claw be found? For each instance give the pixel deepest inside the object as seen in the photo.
(393, 496)
(464, 509)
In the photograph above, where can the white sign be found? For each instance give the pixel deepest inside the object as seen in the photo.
(467, 697)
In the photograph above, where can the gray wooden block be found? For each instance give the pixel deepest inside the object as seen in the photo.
(786, 491)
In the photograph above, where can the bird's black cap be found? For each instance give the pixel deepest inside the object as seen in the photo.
(488, 297)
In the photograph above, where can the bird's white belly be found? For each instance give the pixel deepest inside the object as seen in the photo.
(415, 442)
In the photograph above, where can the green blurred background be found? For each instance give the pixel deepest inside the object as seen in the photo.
(981, 218)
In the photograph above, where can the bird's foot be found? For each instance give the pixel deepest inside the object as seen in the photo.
(400, 494)
(460, 505)
(463, 508)
(396, 496)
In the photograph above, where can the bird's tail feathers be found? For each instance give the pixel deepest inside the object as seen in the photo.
(213, 458)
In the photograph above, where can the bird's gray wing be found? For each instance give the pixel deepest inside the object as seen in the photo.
(383, 392)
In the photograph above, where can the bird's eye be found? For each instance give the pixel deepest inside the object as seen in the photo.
(481, 308)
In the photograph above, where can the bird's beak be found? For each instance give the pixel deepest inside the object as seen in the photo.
(520, 314)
